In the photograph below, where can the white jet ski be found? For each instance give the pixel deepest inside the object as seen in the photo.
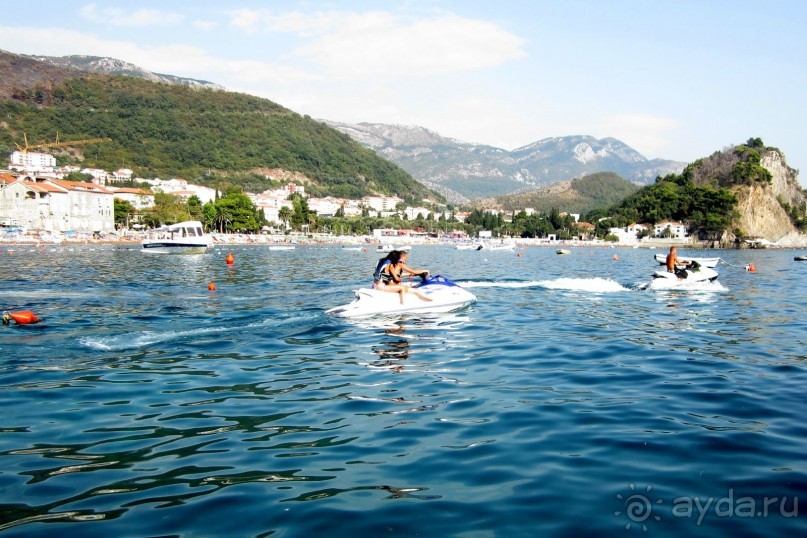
(695, 273)
(445, 296)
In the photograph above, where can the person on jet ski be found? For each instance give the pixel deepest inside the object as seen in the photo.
(389, 275)
(673, 264)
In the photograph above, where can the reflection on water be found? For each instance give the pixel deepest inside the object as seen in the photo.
(393, 351)
(148, 405)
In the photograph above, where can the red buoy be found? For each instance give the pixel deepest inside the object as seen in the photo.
(212, 286)
(23, 317)
(230, 259)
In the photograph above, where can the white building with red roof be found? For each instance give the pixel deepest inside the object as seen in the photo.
(56, 205)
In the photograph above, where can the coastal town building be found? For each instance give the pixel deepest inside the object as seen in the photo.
(180, 187)
(382, 204)
(56, 205)
(31, 161)
(271, 204)
(412, 213)
(121, 175)
(672, 230)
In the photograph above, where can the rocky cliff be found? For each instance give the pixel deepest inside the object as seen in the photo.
(760, 207)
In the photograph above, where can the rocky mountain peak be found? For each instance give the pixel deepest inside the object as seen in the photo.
(464, 171)
(112, 66)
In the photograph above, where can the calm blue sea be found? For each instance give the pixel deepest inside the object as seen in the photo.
(567, 402)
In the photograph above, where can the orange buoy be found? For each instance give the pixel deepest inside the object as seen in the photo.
(23, 317)
(230, 259)
(616, 258)
(750, 268)
(211, 286)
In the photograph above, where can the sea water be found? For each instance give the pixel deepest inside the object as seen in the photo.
(568, 401)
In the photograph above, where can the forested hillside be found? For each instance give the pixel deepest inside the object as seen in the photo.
(579, 195)
(161, 130)
(705, 195)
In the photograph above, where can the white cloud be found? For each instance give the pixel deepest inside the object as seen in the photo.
(380, 43)
(205, 25)
(138, 17)
(180, 60)
(245, 19)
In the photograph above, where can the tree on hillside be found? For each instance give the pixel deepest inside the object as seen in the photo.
(167, 209)
(235, 212)
(706, 209)
(302, 214)
(123, 212)
(195, 209)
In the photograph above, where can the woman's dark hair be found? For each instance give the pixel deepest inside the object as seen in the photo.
(394, 256)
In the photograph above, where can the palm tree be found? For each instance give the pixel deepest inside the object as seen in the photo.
(285, 215)
(223, 218)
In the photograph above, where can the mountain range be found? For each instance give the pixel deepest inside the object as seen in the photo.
(183, 130)
(112, 66)
(463, 171)
(460, 171)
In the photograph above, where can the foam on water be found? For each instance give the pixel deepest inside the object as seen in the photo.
(148, 338)
(594, 285)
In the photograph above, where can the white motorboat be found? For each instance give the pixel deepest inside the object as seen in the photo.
(469, 246)
(704, 262)
(445, 296)
(281, 247)
(181, 238)
(499, 245)
(693, 274)
(387, 248)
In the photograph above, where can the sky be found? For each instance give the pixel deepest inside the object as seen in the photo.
(674, 79)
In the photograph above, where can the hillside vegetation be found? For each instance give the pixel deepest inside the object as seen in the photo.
(200, 135)
(579, 195)
(705, 194)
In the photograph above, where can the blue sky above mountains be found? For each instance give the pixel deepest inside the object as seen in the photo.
(676, 79)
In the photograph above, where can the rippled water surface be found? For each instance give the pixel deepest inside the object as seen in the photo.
(567, 402)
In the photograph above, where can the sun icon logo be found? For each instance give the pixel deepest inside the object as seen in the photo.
(638, 507)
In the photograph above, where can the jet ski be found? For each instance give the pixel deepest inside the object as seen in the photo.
(693, 274)
(445, 296)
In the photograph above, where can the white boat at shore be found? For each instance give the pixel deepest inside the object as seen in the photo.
(387, 248)
(181, 238)
(469, 246)
(499, 245)
(704, 262)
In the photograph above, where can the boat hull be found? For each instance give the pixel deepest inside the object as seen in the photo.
(164, 247)
(704, 262)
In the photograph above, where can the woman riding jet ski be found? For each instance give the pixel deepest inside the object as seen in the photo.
(433, 294)
(389, 273)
